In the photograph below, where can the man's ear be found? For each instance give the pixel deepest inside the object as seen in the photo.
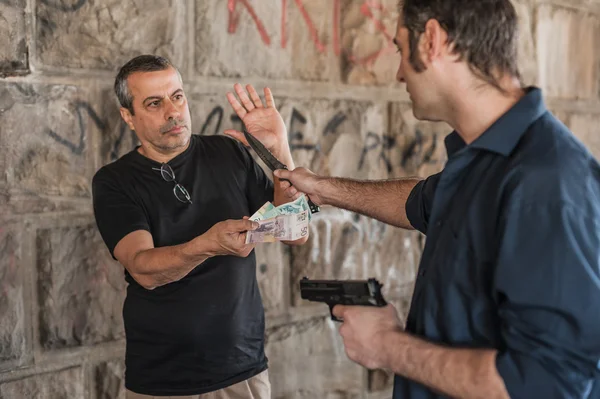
(433, 41)
(126, 115)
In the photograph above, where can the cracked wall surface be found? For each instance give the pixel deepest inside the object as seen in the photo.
(331, 66)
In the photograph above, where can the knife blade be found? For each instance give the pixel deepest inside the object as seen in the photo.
(273, 163)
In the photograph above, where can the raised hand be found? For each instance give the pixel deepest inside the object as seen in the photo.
(263, 122)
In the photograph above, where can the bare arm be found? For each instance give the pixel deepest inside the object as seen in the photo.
(384, 200)
(153, 267)
(459, 373)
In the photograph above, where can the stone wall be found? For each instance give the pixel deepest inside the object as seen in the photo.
(331, 66)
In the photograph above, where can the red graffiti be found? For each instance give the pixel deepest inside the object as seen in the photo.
(234, 19)
(366, 9)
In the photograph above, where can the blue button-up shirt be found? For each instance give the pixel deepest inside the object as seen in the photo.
(512, 256)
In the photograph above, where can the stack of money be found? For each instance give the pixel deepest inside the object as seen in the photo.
(287, 222)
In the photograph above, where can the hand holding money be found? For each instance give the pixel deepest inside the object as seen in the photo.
(287, 222)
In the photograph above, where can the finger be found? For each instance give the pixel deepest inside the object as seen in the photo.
(246, 217)
(284, 184)
(269, 98)
(235, 104)
(254, 96)
(243, 97)
(339, 311)
(298, 195)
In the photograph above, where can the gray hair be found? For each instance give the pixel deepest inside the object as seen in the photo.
(142, 63)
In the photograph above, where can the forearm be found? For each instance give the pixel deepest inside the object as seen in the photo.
(155, 267)
(384, 200)
(460, 373)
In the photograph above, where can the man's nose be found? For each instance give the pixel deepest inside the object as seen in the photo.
(172, 112)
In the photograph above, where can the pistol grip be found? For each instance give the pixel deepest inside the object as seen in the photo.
(331, 305)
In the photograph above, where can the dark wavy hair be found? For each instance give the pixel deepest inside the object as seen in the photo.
(484, 33)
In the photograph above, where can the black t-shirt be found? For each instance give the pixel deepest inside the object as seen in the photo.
(206, 331)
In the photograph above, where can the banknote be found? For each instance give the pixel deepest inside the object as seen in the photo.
(260, 214)
(268, 210)
(280, 228)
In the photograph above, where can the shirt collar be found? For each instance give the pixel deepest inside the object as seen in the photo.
(502, 137)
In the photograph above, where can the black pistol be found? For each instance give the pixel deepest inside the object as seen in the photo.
(342, 292)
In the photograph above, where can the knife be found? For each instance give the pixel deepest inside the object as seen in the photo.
(273, 163)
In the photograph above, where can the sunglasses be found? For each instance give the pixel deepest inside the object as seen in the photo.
(168, 175)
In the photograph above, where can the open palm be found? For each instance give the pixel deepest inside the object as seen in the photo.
(263, 122)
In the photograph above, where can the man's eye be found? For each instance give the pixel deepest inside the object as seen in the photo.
(154, 104)
(178, 96)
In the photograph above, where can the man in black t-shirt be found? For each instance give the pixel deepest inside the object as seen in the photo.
(172, 212)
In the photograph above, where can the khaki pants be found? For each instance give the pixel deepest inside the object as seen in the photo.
(257, 387)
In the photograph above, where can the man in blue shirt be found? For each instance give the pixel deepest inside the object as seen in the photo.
(507, 297)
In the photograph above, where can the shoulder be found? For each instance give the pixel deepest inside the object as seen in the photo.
(221, 147)
(551, 166)
(114, 172)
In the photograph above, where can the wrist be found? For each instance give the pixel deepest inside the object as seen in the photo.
(203, 246)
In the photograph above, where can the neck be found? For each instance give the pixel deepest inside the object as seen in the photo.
(476, 106)
(162, 155)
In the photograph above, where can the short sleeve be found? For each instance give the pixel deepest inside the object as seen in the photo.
(259, 187)
(116, 213)
(547, 287)
(420, 202)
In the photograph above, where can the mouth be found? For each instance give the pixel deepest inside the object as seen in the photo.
(176, 130)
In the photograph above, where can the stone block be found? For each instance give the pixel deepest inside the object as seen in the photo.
(343, 245)
(307, 360)
(585, 127)
(13, 38)
(106, 34)
(527, 56)
(369, 56)
(416, 147)
(271, 39)
(110, 380)
(80, 288)
(60, 384)
(338, 138)
(44, 145)
(568, 51)
(12, 307)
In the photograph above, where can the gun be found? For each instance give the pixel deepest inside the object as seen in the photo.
(342, 292)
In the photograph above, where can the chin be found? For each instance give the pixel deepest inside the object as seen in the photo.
(424, 114)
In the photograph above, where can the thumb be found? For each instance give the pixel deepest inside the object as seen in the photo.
(244, 225)
(283, 174)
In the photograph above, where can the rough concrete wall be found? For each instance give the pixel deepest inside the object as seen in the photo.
(331, 66)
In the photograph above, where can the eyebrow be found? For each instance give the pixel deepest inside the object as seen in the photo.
(160, 98)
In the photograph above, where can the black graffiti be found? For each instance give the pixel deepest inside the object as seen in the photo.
(123, 129)
(417, 148)
(216, 111)
(77, 148)
(373, 142)
(333, 123)
(64, 6)
(296, 138)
